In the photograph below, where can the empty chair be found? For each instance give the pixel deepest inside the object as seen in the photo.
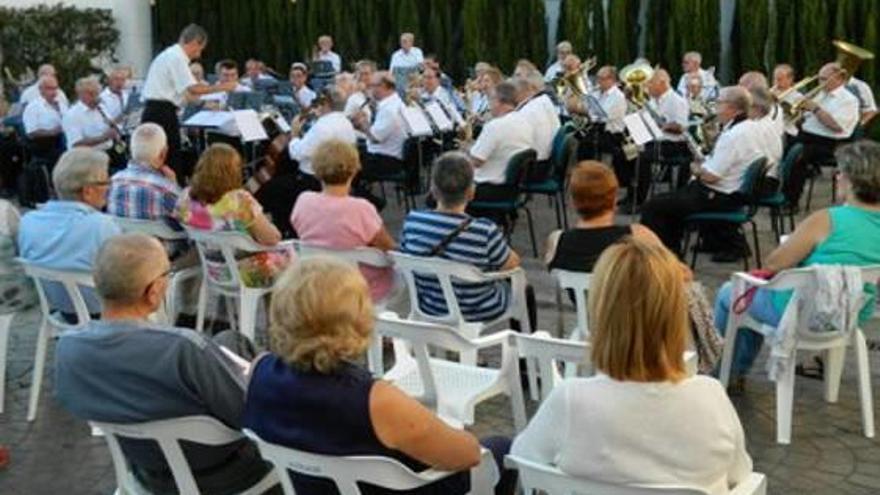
(549, 353)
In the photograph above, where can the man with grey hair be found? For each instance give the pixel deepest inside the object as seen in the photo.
(767, 132)
(563, 50)
(124, 369)
(331, 123)
(408, 56)
(86, 124)
(32, 92)
(535, 105)
(42, 120)
(66, 233)
(690, 66)
(114, 98)
(716, 184)
(147, 188)
(449, 232)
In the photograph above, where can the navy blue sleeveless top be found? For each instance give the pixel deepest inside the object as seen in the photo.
(320, 413)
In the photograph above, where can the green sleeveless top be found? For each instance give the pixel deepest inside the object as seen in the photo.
(854, 240)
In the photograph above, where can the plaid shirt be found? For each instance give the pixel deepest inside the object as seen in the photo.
(143, 193)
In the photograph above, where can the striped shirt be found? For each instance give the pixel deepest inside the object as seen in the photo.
(143, 193)
(481, 244)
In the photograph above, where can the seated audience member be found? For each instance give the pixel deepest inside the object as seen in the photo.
(309, 395)
(387, 134)
(331, 124)
(539, 111)
(663, 427)
(66, 232)
(717, 183)
(33, 92)
(299, 76)
(147, 189)
(216, 201)
(168, 372)
(593, 189)
(42, 120)
(333, 218)
(848, 234)
(448, 232)
(325, 53)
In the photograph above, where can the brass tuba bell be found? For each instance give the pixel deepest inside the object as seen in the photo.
(635, 76)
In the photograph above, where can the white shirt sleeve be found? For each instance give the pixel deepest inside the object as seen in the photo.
(385, 125)
(182, 77)
(847, 115)
(30, 118)
(679, 112)
(486, 142)
(723, 157)
(741, 466)
(73, 129)
(541, 440)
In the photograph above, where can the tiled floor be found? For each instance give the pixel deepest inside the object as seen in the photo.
(828, 454)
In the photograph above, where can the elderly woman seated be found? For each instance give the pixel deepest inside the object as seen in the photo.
(848, 234)
(640, 420)
(335, 219)
(309, 395)
(216, 201)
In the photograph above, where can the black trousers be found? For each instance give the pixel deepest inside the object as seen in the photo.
(665, 213)
(164, 113)
(817, 150)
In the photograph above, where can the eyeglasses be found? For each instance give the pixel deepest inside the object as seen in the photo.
(159, 277)
(99, 183)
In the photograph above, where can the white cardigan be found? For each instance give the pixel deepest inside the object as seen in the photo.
(684, 434)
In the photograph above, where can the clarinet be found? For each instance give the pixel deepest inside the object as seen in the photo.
(119, 145)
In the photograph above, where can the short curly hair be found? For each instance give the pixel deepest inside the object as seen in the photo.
(860, 164)
(321, 314)
(218, 171)
(593, 189)
(335, 162)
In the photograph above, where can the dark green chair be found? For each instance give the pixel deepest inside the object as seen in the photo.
(739, 218)
(777, 202)
(516, 176)
(564, 154)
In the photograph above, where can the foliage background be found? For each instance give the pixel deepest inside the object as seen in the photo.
(74, 40)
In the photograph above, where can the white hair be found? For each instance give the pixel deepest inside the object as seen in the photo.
(695, 56)
(76, 169)
(125, 265)
(147, 143)
(85, 83)
(44, 79)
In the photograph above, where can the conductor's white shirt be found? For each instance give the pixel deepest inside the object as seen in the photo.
(334, 125)
(500, 138)
(169, 76)
(82, 122)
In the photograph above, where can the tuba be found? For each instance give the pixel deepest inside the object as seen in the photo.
(635, 76)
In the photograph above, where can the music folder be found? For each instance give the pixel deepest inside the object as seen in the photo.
(416, 123)
(441, 120)
(249, 125)
(638, 129)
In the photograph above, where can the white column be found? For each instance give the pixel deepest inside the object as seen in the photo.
(134, 22)
(552, 10)
(725, 28)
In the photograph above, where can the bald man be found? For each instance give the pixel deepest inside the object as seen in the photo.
(32, 92)
(168, 372)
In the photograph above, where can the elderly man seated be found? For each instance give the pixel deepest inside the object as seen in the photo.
(42, 121)
(86, 124)
(66, 233)
(168, 372)
(147, 189)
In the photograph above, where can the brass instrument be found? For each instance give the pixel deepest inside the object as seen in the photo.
(576, 82)
(635, 77)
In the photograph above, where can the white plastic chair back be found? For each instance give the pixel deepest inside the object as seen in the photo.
(347, 471)
(155, 228)
(550, 352)
(73, 282)
(368, 256)
(168, 434)
(579, 284)
(446, 271)
(222, 273)
(537, 478)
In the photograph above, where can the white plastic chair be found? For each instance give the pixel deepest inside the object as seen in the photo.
(5, 323)
(579, 284)
(384, 472)
(451, 389)
(536, 478)
(165, 233)
(52, 324)
(222, 277)
(168, 434)
(367, 256)
(833, 343)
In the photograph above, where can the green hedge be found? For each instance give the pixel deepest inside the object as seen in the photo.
(67, 37)
(460, 32)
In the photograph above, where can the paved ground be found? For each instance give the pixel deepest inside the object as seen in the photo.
(828, 454)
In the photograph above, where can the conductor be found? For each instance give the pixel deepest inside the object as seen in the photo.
(170, 83)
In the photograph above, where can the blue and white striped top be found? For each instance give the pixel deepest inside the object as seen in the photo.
(481, 244)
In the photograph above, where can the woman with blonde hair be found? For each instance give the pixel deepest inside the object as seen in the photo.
(641, 420)
(309, 395)
(216, 201)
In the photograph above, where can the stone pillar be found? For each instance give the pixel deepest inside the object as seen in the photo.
(134, 21)
(552, 10)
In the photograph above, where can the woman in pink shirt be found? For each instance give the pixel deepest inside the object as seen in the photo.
(335, 219)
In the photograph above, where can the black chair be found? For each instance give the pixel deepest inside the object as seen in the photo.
(406, 181)
(565, 146)
(777, 202)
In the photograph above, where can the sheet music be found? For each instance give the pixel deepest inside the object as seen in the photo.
(439, 116)
(454, 114)
(416, 122)
(637, 129)
(282, 124)
(209, 118)
(249, 125)
(653, 128)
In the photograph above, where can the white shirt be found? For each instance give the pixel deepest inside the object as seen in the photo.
(402, 59)
(685, 434)
(842, 105)
(249, 81)
(169, 76)
(114, 103)
(500, 138)
(710, 84)
(334, 59)
(39, 115)
(613, 103)
(542, 116)
(864, 94)
(355, 104)
(769, 139)
(737, 147)
(334, 125)
(440, 95)
(388, 128)
(778, 114)
(305, 96)
(672, 108)
(32, 92)
(479, 103)
(554, 70)
(82, 122)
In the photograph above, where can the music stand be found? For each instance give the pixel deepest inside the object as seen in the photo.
(246, 100)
